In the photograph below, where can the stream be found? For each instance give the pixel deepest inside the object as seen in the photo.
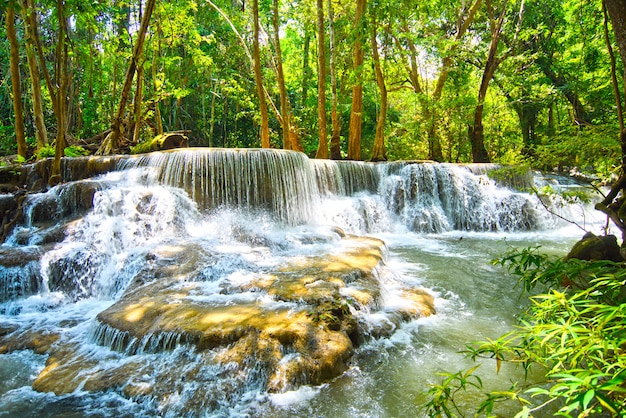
(441, 224)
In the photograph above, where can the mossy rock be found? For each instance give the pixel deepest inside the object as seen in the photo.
(594, 248)
(169, 140)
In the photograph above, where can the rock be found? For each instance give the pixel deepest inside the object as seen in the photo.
(290, 327)
(594, 248)
(13, 339)
(169, 140)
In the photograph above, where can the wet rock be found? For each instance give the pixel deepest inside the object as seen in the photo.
(593, 248)
(290, 326)
(20, 275)
(38, 340)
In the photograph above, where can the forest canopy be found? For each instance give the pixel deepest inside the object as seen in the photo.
(526, 81)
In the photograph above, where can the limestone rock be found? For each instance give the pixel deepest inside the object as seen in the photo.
(296, 325)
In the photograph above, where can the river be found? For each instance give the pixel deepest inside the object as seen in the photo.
(442, 225)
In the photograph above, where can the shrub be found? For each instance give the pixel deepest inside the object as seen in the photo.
(573, 332)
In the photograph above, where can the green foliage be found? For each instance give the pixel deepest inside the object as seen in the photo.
(573, 333)
(75, 151)
(71, 151)
(593, 150)
(45, 152)
(517, 176)
(572, 196)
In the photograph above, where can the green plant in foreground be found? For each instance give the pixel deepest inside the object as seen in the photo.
(573, 333)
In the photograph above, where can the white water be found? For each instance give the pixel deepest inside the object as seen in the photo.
(442, 224)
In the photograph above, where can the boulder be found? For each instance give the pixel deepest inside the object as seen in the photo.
(168, 140)
(594, 248)
(293, 326)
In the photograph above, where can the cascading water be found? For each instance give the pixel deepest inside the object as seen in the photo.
(217, 282)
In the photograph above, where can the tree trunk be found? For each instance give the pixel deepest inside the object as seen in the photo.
(112, 142)
(322, 148)
(617, 12)
(14, 59)
(280, 78)
(41, 133)
(61, 95)
(212, 120)
(335, 146)
(476, 133)
(306, 68)
(157, 92)
(356, 115)
(378, 152)
(138, 102)
(434, 144)
(265, 130)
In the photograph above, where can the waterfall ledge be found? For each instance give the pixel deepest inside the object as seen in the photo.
(295, 325)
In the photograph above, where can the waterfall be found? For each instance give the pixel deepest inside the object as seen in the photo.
(251, 179)
(107, 219)
(441, 197)
(236, 273)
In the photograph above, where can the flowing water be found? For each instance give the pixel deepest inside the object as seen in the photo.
(236, 213)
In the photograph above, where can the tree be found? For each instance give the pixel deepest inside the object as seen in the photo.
(614, 204)
(265, 131)
(445, 43)
(30, 22)
(322, 149)
(112, 141)
(335, 148)
(16, 81)
(379, 153)
(356, 117)
(290, 136)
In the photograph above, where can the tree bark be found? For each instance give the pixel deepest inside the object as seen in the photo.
(356, 115)
(61, 95)
(614, 204)
(476, 132)
(322, 148)
(112, 142)
(41, 133)
(280, 78)
(335, 146)
(265, 130)
(378, 152)
(434, 144)
(157, 92)
(14, 59)
(306, 67)
(138, 102)
(617, 12)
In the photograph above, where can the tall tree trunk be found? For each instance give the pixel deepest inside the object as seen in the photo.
(157, 92)
(378, 152)
(476, 132)
(112, 142)
(356, 116)
(617, 12)
(16, 81)
(265, 130)
(280, 78)
(431, 112)
(322, 148)
(335, 138)
(138, 102)
(306, 67)
(212, 117)
(57, 88)
(61, 94)
(41, 133)
(614, 204)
